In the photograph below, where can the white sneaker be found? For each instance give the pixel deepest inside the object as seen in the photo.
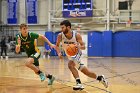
(44, 56)
(48, 56)
(1, 57)
(6, 57)
(78, 87)
(103, 81)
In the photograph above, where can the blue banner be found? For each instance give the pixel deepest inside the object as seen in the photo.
(31, 11)
(12, 6)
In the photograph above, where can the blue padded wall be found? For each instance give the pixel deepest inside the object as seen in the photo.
(95, 42)
(49, 35)
(54, 53)
(107, 43)
(100, 43)
(55, 36)
(126, 44)
(118, 44)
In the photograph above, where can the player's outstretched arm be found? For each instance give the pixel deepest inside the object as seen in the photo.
(46, 40)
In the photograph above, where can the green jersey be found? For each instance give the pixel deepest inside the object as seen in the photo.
(29, 43)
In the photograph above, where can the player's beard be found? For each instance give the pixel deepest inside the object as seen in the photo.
(66, 31)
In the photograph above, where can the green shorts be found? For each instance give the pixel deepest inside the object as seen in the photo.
(36, 57)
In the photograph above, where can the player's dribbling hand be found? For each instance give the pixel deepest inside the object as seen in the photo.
(53, 46)
(60, 55)
(77, 45)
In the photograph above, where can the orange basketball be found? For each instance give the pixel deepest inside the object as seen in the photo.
(71, 50)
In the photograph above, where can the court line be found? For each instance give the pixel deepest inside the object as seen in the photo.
(86, 85)
(98, 88)
(130, 81)
(35, 85)
(118, 75)
(58, 80)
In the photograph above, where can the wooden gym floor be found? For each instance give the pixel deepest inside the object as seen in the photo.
(122, 74)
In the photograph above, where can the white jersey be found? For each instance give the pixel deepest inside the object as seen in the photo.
(75, 58)
(66, 41)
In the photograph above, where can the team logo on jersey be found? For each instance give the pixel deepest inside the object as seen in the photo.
(24, 43)
(66, 42)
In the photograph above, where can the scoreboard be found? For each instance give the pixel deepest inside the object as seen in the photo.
(81, 8)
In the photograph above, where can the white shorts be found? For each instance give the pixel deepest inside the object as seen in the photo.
(77, 60)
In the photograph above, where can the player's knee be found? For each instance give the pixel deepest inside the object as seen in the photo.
(29, 62)
(71, 65)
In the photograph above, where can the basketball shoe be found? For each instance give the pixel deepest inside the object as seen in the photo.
(103, 80)
(78, 87)
(42, 76)
(50, 80)
(6, 57)
(1, 57)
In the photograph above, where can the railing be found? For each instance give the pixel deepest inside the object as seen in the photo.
(124, 16)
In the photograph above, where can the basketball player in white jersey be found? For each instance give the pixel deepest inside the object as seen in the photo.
(67, 36)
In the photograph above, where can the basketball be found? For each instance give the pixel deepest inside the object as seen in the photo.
(71, 50)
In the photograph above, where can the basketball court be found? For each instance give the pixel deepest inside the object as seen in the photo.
(122, 74)
(110, 30)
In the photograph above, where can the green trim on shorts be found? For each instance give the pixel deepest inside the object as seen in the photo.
(36, 57)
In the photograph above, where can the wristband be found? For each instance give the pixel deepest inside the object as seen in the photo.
(18, 45)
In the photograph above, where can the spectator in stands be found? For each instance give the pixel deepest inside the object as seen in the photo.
(3, 47)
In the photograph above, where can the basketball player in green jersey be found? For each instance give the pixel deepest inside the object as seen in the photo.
(27, 40)
(67, 36)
